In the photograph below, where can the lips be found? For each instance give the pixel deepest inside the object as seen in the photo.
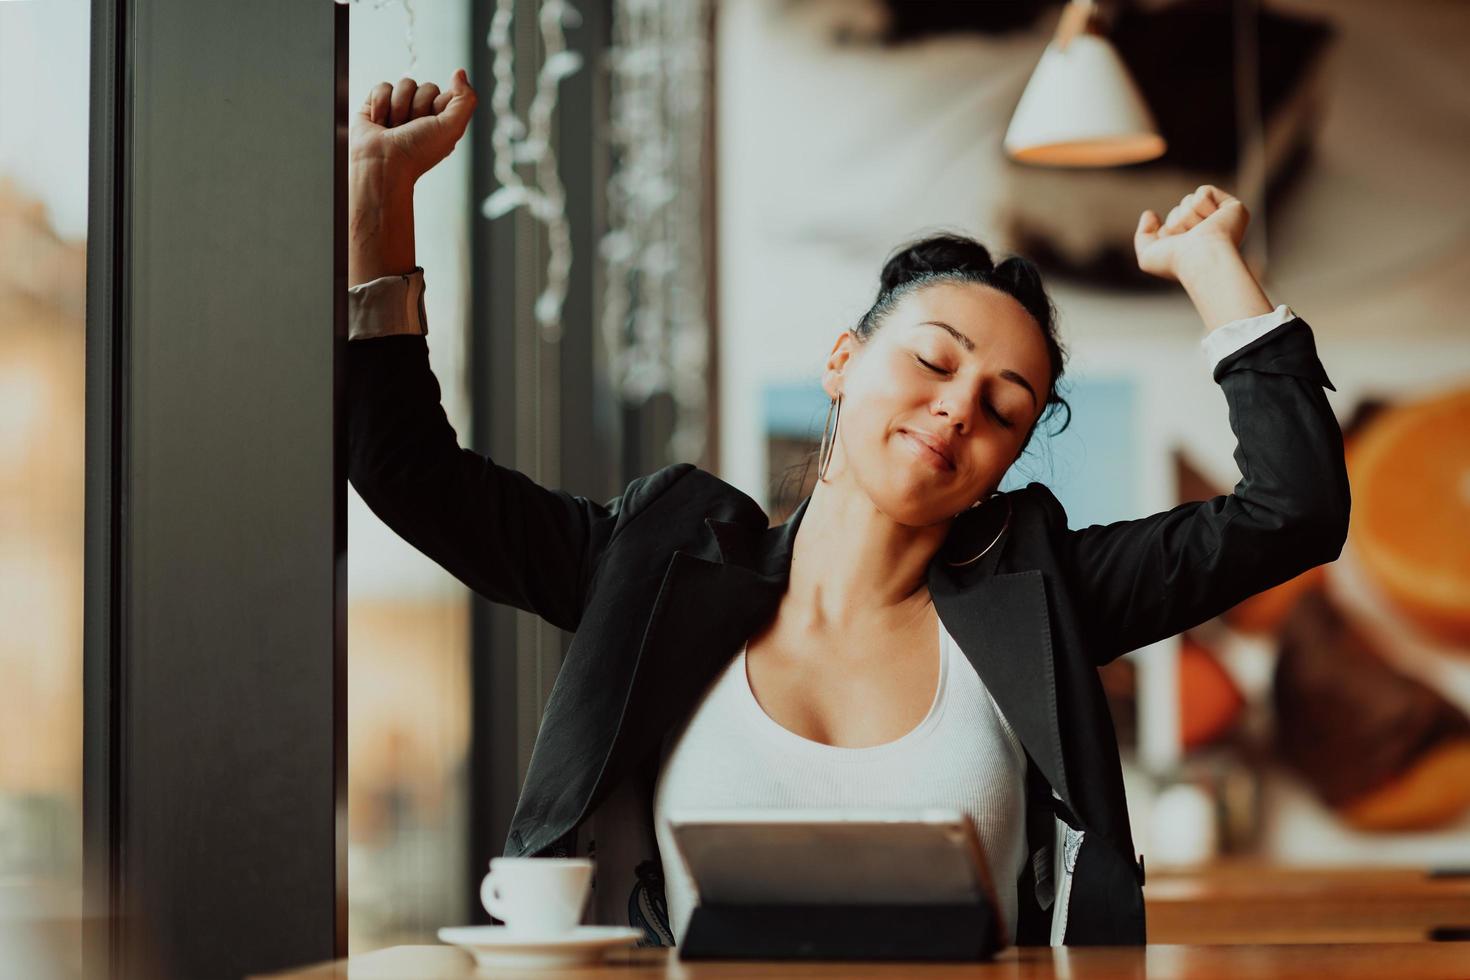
(935, 446)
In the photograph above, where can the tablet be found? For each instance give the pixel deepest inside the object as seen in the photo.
(920, 856)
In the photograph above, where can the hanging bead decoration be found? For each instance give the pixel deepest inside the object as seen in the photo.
(654, 322)
(514, 142)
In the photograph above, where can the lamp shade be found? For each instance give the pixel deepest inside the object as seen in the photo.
(1082, 109)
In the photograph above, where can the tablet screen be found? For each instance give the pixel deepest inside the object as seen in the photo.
(824, 856)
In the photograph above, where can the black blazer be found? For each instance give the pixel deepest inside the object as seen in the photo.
(663, 584)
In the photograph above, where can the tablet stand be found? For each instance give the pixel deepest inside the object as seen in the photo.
(841, 932)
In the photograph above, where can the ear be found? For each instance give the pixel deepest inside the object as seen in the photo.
(837, 362)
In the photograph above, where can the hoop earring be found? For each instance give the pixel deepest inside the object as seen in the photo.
(829, 442)
(1005, 524)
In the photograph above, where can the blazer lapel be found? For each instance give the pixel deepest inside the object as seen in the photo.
(1001, 622)
(711, 600)
(713, 596)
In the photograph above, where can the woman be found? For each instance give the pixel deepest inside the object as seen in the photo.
(910, 635)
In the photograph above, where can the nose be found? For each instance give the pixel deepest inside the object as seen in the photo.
(959, 419)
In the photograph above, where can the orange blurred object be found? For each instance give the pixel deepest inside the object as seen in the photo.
(1431, 793)
(1209, 700)
(1410, 523)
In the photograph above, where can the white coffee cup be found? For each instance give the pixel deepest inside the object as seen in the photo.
(538, 895)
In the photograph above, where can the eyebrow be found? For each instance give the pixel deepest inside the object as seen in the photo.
(969, 346)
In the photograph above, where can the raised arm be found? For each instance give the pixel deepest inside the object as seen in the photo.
(502, 534)
(1142, 580)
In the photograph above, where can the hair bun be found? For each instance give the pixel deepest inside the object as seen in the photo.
(936, 254)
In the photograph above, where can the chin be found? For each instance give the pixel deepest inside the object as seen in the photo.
(909, 492)
(913, 505)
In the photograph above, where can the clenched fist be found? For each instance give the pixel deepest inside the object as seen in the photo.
(406, 129)
(399, 133)
(1204, 219)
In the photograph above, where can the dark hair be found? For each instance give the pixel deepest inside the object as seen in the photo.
(954, 258)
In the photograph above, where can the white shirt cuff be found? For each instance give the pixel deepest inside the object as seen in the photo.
(387, 305)
(1232, 336)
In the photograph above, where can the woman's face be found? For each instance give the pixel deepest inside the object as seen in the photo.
(961, 366)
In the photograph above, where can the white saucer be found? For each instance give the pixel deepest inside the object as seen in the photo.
(497, 946)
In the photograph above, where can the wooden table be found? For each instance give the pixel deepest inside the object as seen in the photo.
(1338, 962)
(1242, 901)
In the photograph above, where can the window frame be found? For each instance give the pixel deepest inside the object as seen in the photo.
(214, 637)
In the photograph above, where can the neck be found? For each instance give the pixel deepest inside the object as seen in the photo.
(851, 563)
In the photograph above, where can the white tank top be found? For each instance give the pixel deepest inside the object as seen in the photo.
(964, 754)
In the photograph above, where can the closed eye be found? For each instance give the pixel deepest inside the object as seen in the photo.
(1007, 423)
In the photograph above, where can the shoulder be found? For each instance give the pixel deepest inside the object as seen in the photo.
(1035, 502)
(687, 490)
(1038, 526)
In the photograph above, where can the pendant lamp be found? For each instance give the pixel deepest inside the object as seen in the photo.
(1081, 108)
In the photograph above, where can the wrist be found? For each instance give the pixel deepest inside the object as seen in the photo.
(380, 234)
(376, 184)
(1221, 286)
(1208, 259)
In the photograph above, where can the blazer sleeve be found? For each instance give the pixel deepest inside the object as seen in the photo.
(496, 530)
(1140, 581)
